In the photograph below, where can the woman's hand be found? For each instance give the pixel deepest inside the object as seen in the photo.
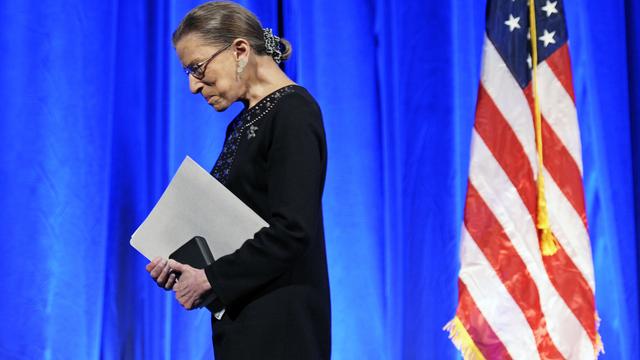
(191, 286)
(161, 273)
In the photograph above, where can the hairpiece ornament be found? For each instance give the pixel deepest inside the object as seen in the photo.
(272, 44)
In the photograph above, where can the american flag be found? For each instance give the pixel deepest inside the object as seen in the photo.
(514, 301)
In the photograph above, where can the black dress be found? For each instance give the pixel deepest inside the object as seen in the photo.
(275, 288)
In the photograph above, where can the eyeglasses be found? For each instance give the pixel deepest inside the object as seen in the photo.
(197, 70)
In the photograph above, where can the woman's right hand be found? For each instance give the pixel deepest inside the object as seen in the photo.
(161, 273)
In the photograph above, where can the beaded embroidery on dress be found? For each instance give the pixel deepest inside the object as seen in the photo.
(245, 121)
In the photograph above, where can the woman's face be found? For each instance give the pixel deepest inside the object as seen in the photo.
(219, 86)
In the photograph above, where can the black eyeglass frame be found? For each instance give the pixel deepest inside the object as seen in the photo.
(198, 70)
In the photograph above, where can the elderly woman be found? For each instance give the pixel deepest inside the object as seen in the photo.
(273, 292)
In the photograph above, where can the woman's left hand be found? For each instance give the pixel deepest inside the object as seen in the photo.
(191, 286)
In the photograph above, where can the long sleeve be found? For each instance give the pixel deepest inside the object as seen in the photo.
(296, 165)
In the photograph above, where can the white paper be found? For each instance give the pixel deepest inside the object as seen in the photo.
(195, 203)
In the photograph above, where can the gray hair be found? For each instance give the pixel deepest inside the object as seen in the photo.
(219, 23)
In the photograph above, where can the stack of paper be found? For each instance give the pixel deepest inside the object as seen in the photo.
(195, 203)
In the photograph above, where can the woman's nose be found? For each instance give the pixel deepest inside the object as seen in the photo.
(195, 86)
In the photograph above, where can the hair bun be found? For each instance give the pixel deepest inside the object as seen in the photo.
(286, 49)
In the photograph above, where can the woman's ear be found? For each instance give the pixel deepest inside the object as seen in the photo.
(241, 49)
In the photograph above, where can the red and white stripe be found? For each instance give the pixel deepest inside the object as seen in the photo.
(514, 302)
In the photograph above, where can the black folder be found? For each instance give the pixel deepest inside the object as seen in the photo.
(196, 253)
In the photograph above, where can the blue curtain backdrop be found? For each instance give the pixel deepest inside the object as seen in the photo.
(96, 116)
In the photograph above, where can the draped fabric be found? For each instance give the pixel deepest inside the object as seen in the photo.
(96, 116)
